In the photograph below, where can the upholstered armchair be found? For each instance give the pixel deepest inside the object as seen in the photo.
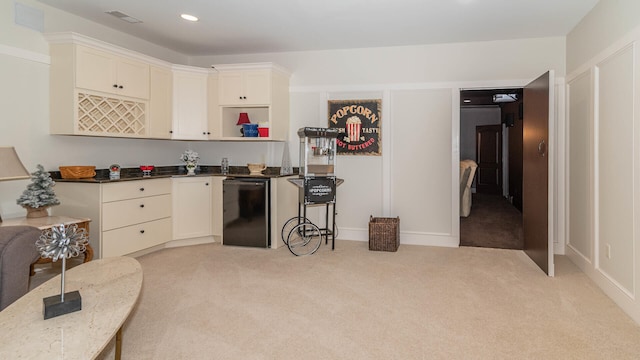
(467, 172)
(17, 252)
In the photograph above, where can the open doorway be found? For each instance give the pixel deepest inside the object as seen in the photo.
(491, 135)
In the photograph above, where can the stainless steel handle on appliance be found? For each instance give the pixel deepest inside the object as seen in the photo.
(542, 148)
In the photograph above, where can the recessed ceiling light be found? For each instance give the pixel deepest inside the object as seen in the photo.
(188, 17)
(466, 101)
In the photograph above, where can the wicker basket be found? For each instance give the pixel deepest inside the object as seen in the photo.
(384, 233)
(77, 172)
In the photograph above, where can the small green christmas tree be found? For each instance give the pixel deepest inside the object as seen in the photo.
(40, 192)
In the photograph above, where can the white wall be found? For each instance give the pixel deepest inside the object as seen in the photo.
(423, 163)
(458, 62)
(372, 183)
(606, 23)
(603, 136)
(471, 117)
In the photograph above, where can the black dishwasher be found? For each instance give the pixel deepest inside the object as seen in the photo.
(246, 218)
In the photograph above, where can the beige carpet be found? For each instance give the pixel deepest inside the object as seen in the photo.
(219, 302)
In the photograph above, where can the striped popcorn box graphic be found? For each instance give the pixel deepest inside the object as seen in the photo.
(354, 126)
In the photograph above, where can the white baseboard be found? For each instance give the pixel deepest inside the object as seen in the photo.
(406, 237)
(628, 304)
(189, 242)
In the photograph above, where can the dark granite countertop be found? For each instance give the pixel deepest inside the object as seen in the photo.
(128, 174)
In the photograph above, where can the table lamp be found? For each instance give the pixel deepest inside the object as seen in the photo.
(11, 168)
(243, 119)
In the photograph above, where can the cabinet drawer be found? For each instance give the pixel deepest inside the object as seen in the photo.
(118, 214)
(135, 189)
(136, 237)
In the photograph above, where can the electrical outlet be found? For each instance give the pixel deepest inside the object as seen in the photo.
(607, 248)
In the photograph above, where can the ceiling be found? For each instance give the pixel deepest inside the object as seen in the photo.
(258, 26)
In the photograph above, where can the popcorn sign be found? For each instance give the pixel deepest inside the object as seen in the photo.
(319, 190)
(358, 124)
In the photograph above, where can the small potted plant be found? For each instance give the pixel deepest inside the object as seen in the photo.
(190, 158)
(39, 194)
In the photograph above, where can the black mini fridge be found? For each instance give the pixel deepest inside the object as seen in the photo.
(246, 218)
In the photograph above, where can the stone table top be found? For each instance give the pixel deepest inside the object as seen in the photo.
(109, 288)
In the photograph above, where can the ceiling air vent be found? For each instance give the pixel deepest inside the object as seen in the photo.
(124, 17)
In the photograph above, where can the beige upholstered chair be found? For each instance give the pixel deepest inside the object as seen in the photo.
(467, 172)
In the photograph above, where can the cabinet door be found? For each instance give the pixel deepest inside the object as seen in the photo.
(257, 87)
(160, 102)
(95, 70)
(191, 207)
(216, 205)
(230, 88)
(132, 78)
(213, 108)
(134, 238)
(102, 71)
(123, 213)
(189, 106)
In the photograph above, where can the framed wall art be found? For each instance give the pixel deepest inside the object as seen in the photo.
(358, 124)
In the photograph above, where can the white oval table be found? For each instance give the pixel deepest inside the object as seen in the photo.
(109, 288)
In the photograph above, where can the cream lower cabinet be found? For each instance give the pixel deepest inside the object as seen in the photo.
(284, 206)
(126, 217)
(216, 206)
(192, 210)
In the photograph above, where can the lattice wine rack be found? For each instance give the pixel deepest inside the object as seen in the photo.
(100, 114)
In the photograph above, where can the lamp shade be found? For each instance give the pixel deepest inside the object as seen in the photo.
(11, 168)
(243, 119)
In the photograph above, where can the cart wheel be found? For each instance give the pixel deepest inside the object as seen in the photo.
(304, 239)
(290, 224)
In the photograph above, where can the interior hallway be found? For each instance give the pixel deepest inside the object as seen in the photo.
(493, 223)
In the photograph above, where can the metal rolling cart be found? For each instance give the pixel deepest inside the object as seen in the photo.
(317, 185)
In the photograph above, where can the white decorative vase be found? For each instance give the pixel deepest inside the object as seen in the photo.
(191, 168)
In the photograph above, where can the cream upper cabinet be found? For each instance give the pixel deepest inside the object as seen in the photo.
(246, 87)
(192, 207)
(160, 102)
(213, 108)
(262, 91)
(98, 89)
(81, 101)
(190, 117)
(105, 72)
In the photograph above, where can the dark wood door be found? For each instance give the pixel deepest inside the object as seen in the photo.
(538, 96)
(489, 159)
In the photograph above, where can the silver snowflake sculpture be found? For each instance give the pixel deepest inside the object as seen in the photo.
(62, 242)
